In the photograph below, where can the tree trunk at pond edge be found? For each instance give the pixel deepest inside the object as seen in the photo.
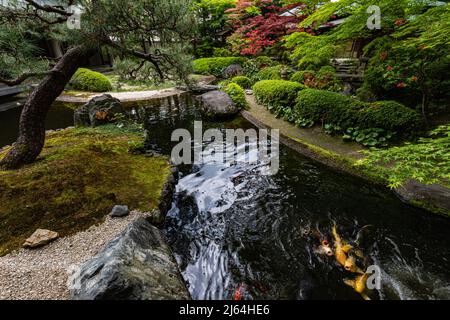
(31, 138)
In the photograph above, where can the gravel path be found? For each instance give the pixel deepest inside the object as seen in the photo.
(41, 274)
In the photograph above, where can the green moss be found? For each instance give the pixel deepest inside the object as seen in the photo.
(80, 175)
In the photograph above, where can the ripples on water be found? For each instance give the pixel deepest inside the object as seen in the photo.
(230, 226)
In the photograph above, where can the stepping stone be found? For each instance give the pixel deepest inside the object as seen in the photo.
(39, 238)
(119, 212)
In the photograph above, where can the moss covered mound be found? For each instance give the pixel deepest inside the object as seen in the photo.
(81, 174)
(88, 80)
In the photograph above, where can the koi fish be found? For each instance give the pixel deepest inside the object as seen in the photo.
(359, 285)
(342, 253)
(239, 293)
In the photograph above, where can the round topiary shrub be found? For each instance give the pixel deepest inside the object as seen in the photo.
(325, 106)
(88, 80)
(277, 93)
(237, 94)
(242, 81)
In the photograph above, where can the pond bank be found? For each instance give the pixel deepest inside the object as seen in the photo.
(92, 169)
(132, 96)
(337, 154)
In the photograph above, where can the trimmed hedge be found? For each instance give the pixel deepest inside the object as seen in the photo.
(242, 81)
(334, 108)
(277, 93)
(237, 94)
(389, 115)
(215, 66)
(88, 80)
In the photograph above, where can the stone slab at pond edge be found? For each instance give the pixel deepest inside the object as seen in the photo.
(131, 96)
(137, 265)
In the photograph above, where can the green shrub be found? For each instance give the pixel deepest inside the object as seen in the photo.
(270, 73)
(264, 62)
(389, 115)
(324, 79)
(242, 81)
(277, 93)
(215, 66)
(88, 80)
(334, 108)
(301, 76)
(237, 94)
(326, 69)
(325, 107)
(221, 52)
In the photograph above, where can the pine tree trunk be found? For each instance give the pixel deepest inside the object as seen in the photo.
(32, 120)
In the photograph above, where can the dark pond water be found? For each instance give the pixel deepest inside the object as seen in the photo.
(57, 118)
(232, 228)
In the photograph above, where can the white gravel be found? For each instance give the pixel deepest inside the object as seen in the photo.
(41, 274)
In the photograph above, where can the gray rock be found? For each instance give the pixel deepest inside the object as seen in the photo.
(119, 211)
(137, 265)
(233, 71)
(218, 104)
(99, 110)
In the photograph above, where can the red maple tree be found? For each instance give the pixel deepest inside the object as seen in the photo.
(259, 24)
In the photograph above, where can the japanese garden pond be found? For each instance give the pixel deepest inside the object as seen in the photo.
(231, 227)
(58, 117)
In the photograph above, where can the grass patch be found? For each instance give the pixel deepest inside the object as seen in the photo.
(80, 175)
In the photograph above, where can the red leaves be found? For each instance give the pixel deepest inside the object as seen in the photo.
(399, 22)
(264, 30)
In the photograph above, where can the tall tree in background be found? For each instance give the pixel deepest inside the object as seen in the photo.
(120, 24)
(212, 24)
(260, 24)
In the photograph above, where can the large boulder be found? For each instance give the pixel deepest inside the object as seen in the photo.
(233, 71)
(99, 110)
(217, 104)
(137, 265)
